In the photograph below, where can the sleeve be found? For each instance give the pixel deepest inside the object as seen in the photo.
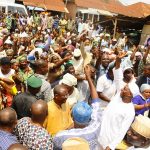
(135, 100)
(48, 94)
(100, 84)
(118, 77)
(122, 132)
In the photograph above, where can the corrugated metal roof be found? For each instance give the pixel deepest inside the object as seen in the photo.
(138, 10)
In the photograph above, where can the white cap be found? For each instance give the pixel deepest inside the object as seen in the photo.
(107, 35)
(8, 41)
(141, 125)
(69, 80)
(144, 87)
(101, 34)
(77, 53)
(75, 143)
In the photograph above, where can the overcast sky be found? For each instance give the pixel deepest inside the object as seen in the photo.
(134, 1)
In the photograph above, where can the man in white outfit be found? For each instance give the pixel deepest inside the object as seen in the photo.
(119, 114)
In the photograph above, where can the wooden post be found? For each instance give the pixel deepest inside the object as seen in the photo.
(115, 27)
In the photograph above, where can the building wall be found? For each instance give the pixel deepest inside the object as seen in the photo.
(72, 8)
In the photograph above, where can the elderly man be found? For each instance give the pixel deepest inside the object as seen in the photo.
(8, 120)
(23, 101)
(87, 120)
(30, 131)
(120, 112)
(138, 136)
(59, 114)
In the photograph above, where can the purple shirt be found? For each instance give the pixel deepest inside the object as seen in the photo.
(6, 140)
(138, 100)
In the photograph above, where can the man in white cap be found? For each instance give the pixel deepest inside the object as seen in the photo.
(120, 112)
(69, 81)
(77, 61)
(139, 134)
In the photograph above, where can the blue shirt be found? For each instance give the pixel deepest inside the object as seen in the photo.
(6, 140)
(139, 100)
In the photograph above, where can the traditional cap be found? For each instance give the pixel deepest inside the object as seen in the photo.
(106, 50)
(101, 34)
(22, 57)
(144, 87)
(107, 35)
(69, 80)
(34, 82)
(138, 54)
(8, 41)
(82, 112)
(24, 35)
(75, 143)
(77, 53)
(141, 125)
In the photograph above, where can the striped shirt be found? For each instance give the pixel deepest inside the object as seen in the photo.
(6, 140)
(89, 133)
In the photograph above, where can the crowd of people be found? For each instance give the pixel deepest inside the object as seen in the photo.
(67, 84)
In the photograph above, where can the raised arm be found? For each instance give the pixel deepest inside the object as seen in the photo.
(93, 91)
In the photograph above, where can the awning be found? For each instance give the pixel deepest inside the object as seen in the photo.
(95, 12)
(105, 13)
(35, 8)
(55, 5)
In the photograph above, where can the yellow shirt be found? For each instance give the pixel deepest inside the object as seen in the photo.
(59, 118)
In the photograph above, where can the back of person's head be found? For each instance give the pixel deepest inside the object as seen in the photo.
(17, 147)
(39, 111)
(5, 61)
(81, 113)
(8, 119)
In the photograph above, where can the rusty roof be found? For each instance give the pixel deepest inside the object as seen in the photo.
(55, 5)
(138, 10)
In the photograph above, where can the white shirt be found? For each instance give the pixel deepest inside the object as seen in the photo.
(78, 65)
(11, 72)
(74, 97)
(107, 87)
(116, 121)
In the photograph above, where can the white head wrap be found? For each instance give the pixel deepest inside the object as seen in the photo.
(69, 80)
(144, 87)
(77, 53)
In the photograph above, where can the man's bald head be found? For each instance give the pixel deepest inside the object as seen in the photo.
(17, 147)
(60, 94)
(58, 89)
(39, 111)
(8, 118)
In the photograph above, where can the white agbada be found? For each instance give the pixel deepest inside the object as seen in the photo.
(117, 117)
(116, 121)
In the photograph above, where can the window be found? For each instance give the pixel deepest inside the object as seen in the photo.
(14, 9)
